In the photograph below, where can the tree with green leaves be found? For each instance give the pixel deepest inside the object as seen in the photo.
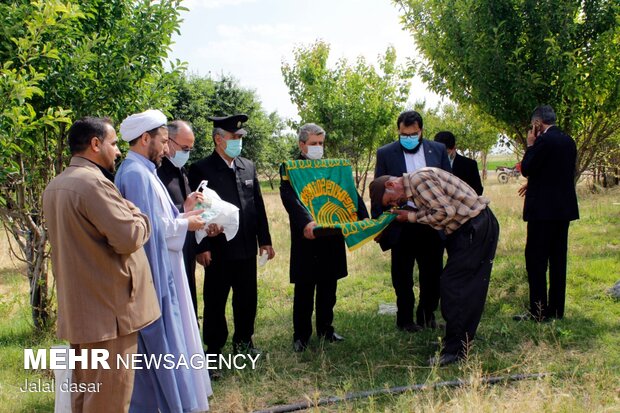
(197, 98)
(474, 131)
(505, 57)
(356, 104)
(64, 59)
(276, 148)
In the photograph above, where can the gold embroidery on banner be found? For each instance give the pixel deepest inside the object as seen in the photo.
(325, 187)
(331, 213)
(322, 163)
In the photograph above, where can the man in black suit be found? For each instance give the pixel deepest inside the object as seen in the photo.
(550, 205)
(316, 263)
(411, 242)
(232, 264)
(462, 167)
(173, 175)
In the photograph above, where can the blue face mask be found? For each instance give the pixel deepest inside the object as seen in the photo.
(233, 147)
(409, 142)
(180, 158)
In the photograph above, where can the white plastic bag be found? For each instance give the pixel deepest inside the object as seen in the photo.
(62, 401)
(218, 212)
(262, 259)
(389, 309)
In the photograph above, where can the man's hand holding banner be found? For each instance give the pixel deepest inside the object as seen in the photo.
(326, 188)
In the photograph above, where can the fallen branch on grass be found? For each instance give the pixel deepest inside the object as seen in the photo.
(395, 390)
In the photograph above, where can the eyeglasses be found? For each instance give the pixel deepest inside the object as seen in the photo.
(184, 148)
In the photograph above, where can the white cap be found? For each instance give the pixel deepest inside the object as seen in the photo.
(135, 125)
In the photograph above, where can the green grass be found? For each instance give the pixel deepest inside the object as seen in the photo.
(17, 333)
(580, 352)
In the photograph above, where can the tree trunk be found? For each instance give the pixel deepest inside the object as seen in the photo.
(369, 162)
(37, 275)
(483, 161)
(39, 299)
(25, 224)
(32, 250)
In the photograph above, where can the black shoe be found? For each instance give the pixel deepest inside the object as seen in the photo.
(434, 325)
(332, 338)
(300, 346)
(530, 317)
(444, 360)
(335, 337)
(410, 327)
(215, 374)
(246, 348)
(522, 317)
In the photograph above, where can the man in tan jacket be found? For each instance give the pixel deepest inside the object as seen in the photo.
(103, 279)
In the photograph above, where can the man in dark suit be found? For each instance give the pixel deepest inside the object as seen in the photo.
(462, 167)
(174, 177)
(232, 264)
(550, 205)
(317, 263)
(411, 242)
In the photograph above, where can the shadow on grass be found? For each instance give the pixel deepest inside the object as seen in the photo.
(36, 406)
(24, 335)
(374, 354)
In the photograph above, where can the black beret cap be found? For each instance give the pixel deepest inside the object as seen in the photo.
(231, 123)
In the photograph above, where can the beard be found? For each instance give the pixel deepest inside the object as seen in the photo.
(154, 155)
(112, 167)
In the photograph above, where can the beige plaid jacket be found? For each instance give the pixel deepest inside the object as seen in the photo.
(443, 201)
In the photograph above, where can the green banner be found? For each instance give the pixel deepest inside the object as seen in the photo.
(326, 188)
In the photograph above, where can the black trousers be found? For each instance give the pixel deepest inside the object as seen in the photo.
(220, 277)
(547, 243)
(465, 280)
(422, 244)
(189, 260)
(303, 302)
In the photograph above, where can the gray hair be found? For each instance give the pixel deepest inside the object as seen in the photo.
(173, 127)
(545, 113)
(218, 131)
(309, 129)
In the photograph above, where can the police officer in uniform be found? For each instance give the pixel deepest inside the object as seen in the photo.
(232, 264)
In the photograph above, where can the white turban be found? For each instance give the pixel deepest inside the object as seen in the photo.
(135, 125)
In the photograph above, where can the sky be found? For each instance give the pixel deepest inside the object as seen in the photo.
(249, 39)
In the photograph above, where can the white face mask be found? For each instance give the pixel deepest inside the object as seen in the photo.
(180, 158)
(315, 152)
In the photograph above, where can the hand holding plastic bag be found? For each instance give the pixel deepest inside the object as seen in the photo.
(218, 212)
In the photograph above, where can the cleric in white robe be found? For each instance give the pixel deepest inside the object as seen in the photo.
(176, 332)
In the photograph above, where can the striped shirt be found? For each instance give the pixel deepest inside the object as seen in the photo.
(443, 201)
